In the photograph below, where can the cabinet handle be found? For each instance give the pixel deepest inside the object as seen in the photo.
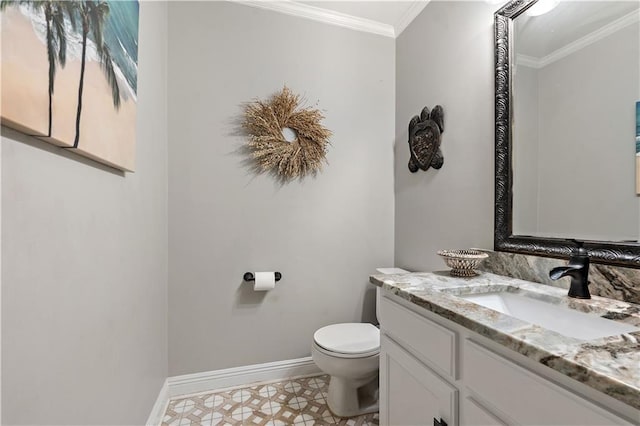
(439, 423)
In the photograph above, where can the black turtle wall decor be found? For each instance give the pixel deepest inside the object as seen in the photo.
(425, 133)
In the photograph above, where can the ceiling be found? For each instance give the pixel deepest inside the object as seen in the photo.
(386, 12)
(538, 36)
(569, 23)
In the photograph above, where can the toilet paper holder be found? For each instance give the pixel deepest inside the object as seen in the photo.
(248, 276)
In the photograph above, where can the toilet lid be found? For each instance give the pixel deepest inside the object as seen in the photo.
(348, 338)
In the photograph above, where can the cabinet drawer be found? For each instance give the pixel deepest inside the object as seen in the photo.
(541, 402)
(432, 342)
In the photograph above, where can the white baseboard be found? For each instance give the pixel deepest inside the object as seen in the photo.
(229, 377)
(159, 408)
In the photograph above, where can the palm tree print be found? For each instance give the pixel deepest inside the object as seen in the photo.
(54, 13)
(89, 77)
(92, 15)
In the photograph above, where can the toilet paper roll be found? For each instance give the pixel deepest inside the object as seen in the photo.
(265, 281)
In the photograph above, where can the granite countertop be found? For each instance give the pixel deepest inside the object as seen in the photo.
(608, 364)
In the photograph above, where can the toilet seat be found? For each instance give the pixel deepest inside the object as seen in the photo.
(348, 340)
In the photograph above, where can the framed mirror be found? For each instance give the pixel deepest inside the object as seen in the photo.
(567, 79)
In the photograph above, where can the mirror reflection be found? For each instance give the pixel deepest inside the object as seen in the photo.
(576, 81)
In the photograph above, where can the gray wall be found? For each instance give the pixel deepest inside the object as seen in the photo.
(325, 234)
(574, 167)
(525, 151)
(84, 269)
(445, 57)
(0, 280)
(587, 128)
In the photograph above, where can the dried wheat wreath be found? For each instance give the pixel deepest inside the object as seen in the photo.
(265, 123)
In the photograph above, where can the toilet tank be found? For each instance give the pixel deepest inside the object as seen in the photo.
(386, 271)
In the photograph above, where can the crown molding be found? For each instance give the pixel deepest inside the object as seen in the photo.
(591, 38)
(581, 43)
(322, 15)
(527, 61)
(409, 15)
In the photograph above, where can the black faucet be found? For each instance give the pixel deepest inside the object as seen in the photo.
(578, 270)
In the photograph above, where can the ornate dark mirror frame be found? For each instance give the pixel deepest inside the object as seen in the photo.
(623, 254)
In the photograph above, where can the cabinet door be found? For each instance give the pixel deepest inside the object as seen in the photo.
(474, 414)
(410, 393)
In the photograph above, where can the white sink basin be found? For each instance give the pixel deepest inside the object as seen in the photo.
(558, 318)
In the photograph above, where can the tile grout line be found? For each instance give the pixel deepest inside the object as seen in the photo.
(244, 405)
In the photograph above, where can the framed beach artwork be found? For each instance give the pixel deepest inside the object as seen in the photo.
(69, 75)
(638, 147)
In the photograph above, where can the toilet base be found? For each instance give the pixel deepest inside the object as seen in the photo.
(349, 398)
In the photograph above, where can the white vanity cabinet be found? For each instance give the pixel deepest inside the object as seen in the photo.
(414, 394)
(436, 372)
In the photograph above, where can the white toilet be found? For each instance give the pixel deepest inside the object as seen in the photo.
(350, 354)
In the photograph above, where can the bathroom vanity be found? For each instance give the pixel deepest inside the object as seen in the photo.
(447, 360)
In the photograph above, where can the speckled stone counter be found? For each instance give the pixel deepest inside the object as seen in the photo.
(610, 364)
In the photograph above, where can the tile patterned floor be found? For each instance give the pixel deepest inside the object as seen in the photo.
(289, 402)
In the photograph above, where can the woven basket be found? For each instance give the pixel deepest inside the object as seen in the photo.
(463, 262)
